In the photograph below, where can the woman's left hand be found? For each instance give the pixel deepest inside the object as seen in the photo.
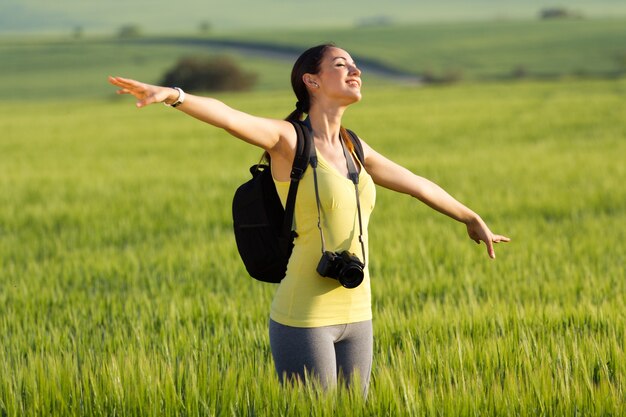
(478, 231)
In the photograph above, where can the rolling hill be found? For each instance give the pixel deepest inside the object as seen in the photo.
(183, 16)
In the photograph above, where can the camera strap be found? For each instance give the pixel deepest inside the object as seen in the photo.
(353, 174)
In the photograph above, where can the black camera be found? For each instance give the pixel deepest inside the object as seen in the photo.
(344, 267)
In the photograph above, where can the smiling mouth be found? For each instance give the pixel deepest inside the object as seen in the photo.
(354, 83)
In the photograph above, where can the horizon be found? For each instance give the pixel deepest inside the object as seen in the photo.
(38, 17)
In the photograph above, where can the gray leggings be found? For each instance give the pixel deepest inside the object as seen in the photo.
(328, 353)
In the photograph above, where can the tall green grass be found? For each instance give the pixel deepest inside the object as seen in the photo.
(121, 292)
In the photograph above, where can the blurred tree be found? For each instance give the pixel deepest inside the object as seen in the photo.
(129, 31)
(449, 76)
(519, 72)
(77, 32)
(207, 73)
(204, 27)
(558, 13)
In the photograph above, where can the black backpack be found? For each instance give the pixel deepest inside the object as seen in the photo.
(263, 229)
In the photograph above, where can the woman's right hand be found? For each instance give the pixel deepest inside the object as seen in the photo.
(277, 137)
(144, 93)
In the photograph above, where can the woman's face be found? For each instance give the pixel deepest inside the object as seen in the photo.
(338, 77)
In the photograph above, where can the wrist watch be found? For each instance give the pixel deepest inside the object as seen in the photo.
(180, 100)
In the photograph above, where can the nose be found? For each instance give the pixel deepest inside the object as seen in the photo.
(354, 70)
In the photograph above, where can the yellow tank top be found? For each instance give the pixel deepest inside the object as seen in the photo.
(304, 298)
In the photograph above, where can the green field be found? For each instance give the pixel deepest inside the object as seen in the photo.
(481, 50)
(121, 292)
(59, 69)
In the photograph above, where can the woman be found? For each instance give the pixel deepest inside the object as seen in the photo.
(317, 327)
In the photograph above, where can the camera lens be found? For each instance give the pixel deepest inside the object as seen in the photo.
(351, 276)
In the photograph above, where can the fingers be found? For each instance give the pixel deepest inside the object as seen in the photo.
(490, 251)
(124, 82)
(146, 101)
(480, 232)
(140, 90)
(118, 82)
(128, 86)
(495, 239)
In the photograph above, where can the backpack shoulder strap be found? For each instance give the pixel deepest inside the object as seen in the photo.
(358, 147)
(303, 145)
(300, 163)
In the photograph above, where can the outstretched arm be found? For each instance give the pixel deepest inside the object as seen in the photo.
(268, 134)
(388, 174)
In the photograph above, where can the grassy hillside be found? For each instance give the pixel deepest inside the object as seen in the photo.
(121, 292)
(46, 69)
(481, 49)
(60, 70)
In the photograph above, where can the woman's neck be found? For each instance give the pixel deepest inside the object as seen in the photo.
(326, 122)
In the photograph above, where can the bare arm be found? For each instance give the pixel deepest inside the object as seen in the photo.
(388, 174)
(269, 134)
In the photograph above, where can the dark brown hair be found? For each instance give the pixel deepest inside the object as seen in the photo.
(307, 63)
